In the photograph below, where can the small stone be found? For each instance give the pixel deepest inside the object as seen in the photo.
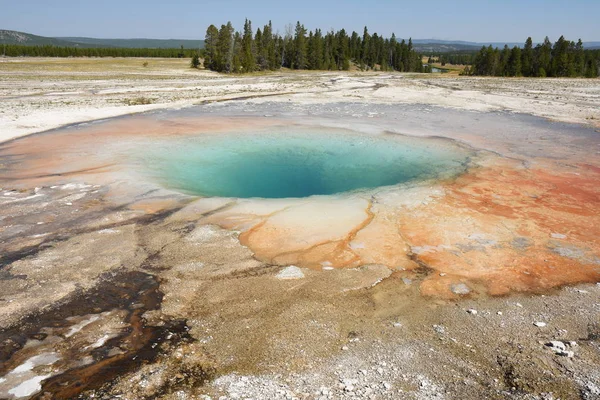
(344, 347)
(573, 344)
(291, 272)
(407, 281)
(499, 313)
(519, 305)
(380, 371)
(397, 325)
(540, 324)
(439, 329)
(556, 345)
(472, 311)
(460, 288)
(387, 386)
(443, 274)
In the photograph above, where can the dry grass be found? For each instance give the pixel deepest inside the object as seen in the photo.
(93, 68)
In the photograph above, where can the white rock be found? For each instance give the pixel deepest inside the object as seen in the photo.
(558, 236)
(556, 345)
(460, 288)
(472, 311)
(499, 313)
(439, 329)
(540, 324)
(291, 272)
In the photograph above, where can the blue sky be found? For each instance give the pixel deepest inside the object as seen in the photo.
(471, 20)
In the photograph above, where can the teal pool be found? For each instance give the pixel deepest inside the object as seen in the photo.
(298, 162)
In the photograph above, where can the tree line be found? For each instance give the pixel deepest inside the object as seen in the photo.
(58, 51)
(563, 59)
(230, 51)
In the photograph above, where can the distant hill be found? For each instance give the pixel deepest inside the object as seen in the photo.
(27, 39)
(591, 45)
(137, 43)
(442, 46)
(426, 47)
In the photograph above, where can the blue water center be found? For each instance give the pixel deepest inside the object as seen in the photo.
(298, 163)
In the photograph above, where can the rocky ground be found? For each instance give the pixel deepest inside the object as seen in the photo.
(112, 290)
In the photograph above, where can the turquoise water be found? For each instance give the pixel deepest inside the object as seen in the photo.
(296, 163)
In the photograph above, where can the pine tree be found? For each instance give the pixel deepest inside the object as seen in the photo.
(210, 47)
(247, 57)
(527, 58)
(364, 53)
(225, 49)
(544, 58)
(579, 59)
(300, 55)
(195, 63)
(238, 54)
(560, 58)
(502, 69)
(514, 62)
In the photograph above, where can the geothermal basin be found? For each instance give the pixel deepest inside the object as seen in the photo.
(295, 162)
(192, 214)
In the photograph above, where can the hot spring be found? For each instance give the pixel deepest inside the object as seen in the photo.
(297, 162)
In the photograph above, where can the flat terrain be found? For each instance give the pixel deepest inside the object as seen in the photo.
(40, 94)
(481, 285)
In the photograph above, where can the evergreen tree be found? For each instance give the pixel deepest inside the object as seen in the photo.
(579, 59)
(544, 52)
(364, 53)
(527, 61)
(210, 47)
(560, 58)
(514, 62)
(247, 57)
(300, 55)
(195, 63)
(238, 54)
(225, 49)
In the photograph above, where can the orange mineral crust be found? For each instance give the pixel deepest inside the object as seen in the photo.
(510, 229)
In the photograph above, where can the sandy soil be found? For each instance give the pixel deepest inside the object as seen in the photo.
(482, 286)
